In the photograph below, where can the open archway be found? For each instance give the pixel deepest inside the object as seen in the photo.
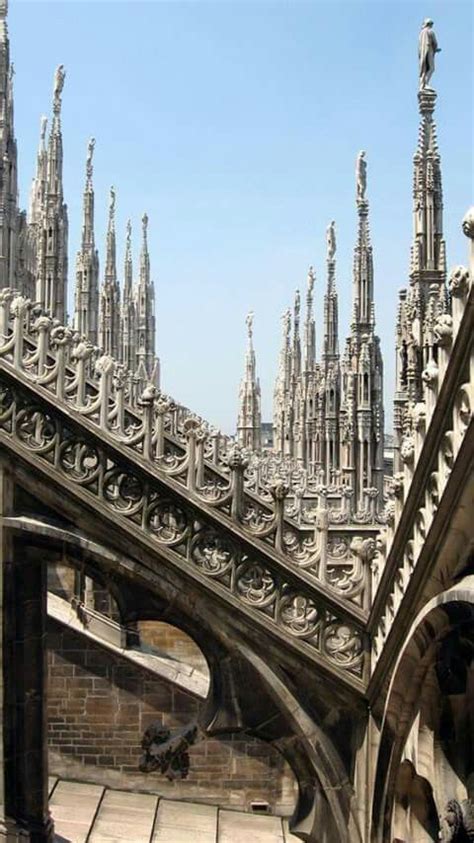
(425, 770)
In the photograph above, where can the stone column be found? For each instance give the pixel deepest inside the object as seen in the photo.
(24, 812)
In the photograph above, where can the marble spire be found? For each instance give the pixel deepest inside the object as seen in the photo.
(86, 308)
(52, 227)
(109, 328)
(249, 421)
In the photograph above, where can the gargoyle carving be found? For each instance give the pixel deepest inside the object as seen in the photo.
(166, 750)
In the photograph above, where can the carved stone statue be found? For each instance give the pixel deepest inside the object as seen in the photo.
(331, 240)
(112, 203)
(361, 176)
(59, 78)
(90, 153)
(427, 47)
(44, 123)
(145, 223)
(249, 323)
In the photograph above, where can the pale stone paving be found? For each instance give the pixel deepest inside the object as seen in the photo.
(89, 813)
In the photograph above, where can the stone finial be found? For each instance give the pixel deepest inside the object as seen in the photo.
(59, 78)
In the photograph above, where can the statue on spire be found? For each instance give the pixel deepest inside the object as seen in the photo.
(361, 176)
(59, 78)
(129, 236)
(427, 48)
(44, 124)
(90, 153)
(297, 303)
(331, 240)
(311, 279)
(249, 323)
(112, 206)
(145, 225)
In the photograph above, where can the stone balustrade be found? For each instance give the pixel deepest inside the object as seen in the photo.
(181, 446)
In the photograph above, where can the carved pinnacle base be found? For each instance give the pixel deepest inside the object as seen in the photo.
(427, 100)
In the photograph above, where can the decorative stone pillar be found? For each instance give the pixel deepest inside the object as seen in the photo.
(24, 812)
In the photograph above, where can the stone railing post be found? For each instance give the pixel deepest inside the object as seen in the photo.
(162, 407)
(215, 439)
(147, 402)
(238, 462)
(279, 491)
(61, 339)
(201, 438)
(6, 297)
(191, 426)
(80, 354)
(19, 308)
(105, 369)
(321, 534)
(118, 382)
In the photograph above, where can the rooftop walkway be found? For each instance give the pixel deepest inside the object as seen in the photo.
(89, 813)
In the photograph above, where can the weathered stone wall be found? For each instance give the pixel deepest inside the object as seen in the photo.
(99, 705)
(162, 638)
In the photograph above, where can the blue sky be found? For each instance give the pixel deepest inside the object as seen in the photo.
(236, 126)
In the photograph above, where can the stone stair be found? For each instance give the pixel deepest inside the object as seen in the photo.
(90, 813)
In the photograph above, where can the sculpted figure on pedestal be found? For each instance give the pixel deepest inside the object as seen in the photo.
(331, 240)
(361, 175)
(59, 78)
(427, 47)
